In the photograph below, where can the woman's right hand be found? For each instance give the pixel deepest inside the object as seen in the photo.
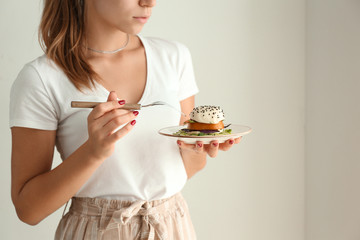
(37, 190)
(103, 123)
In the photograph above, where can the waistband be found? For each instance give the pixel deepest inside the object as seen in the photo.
(124, 212)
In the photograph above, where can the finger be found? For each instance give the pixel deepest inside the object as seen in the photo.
(183, 145)
(116, 122)
(107, 117)
(112, 96)
(105, 107)
(212, 149)
(197, 147)
(121, 132)
(227, 145)
(237, 140)
(101, 109)
(179, 143)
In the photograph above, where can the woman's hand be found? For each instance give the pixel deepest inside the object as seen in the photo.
(194, 155)
(103, 126)
(36, 189)
(211, 149)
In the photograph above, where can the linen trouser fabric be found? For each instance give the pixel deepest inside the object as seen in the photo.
(104, 219)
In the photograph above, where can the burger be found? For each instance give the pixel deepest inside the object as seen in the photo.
(205, 120)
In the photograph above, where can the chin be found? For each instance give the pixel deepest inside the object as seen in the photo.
(138, 30)
(132, 31)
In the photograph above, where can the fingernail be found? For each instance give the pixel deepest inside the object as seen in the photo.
(133, 122)
(121, 102)
(199, 145)
(135, 113)
(231, 142)
(215, 144)
(179, 144)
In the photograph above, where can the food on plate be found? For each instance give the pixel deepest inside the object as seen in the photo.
(205, 121)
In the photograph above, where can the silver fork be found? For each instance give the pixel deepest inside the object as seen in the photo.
(128, 106)
(157, 103)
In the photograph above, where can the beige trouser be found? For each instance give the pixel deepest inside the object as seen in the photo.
(102, 219)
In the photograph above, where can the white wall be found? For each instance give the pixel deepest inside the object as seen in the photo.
(249, 58)
(18, 45)
(333, 117)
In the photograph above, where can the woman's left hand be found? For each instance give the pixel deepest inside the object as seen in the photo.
(211, 149)
(194, 155)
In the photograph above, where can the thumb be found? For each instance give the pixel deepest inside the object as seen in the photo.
(112, 96)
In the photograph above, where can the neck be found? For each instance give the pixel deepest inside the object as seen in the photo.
(112, 51)
(102, 36)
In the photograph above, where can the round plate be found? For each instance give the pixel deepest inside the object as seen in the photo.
(236, 131)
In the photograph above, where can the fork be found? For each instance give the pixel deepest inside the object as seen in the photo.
(128, 106)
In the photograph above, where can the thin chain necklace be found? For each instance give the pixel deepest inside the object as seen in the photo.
(113, 51)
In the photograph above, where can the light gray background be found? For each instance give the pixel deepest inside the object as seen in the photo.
(288, 69)
(333, 120)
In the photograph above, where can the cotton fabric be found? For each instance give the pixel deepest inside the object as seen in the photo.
(145, 165)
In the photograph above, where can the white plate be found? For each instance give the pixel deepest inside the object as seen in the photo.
(236, 131)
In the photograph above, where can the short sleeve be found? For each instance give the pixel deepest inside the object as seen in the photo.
(188, 86)
(30, 105)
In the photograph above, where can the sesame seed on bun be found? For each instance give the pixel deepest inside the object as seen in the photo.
(207, 114)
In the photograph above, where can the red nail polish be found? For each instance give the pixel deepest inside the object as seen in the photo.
(199, 145)
(179, 144)
(231, 142)
(133, 122)
(215, 144)
(121, 102)
(135, 113)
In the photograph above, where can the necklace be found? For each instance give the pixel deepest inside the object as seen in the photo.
(113, 51)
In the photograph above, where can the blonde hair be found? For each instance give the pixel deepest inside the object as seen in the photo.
(61, 36)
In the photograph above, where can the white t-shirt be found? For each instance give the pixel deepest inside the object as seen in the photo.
(145, 164)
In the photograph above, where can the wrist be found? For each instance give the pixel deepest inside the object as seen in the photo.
(90, 152)
(193, 162)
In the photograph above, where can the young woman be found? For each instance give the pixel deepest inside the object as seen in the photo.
(124, 179)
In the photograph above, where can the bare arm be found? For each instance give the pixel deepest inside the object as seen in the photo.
(38, 191)
(187, 105)
(194, 155)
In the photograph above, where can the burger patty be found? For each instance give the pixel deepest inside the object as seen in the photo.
(193, 125)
